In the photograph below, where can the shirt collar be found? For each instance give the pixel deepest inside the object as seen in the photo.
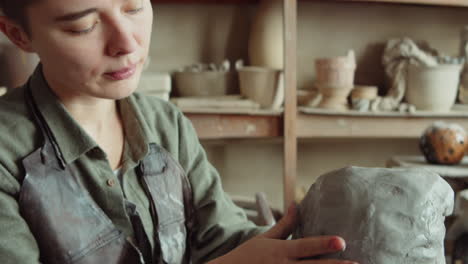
(137, 137)
(71, 138)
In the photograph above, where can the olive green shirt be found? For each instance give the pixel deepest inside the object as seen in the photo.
(221, 226)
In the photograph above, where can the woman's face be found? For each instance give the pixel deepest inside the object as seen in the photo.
(91, 48)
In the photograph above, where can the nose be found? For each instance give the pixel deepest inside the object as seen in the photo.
(121, 39)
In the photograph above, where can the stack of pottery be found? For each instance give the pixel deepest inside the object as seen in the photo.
(263, 81)
(335, 80)
(433, 88)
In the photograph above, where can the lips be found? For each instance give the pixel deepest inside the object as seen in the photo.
(121, 74)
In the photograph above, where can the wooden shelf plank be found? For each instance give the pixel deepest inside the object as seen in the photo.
(235, 126)
(346, 126)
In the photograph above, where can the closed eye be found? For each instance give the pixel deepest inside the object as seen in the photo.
(85, 31)
(134, 11)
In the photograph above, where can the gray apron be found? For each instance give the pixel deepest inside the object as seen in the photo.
(70, 227)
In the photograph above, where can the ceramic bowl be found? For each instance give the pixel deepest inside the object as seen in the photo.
(262, 85)
(206, 83)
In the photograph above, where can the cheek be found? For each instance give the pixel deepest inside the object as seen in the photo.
(144, 29)
(73, 57)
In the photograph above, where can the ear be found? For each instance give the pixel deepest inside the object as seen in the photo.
(16, 34)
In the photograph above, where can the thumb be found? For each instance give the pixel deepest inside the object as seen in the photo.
(285, 226)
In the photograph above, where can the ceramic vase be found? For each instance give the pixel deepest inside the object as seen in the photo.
(266, 41)
(433, 88)
(335, 80)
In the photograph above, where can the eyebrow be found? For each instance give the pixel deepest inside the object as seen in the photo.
(76, 15)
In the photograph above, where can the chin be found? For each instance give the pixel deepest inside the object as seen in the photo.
(122, 92)
(122, 89)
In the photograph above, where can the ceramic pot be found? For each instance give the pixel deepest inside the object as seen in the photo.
(266, 47)
(433, 88)
(206, 83)
(335, 80)
(262, 85)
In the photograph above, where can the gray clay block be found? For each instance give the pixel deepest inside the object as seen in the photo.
(386, 216)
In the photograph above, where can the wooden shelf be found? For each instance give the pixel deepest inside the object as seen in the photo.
(236, 126)
(291, 125)
(348, 126)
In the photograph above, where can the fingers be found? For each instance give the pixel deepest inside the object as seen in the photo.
(285, 226)
(314, 246)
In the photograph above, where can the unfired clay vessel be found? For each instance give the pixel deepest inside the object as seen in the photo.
(262, 85)
(335, 80)
(386, 216)
(433, 88)
(266, 48)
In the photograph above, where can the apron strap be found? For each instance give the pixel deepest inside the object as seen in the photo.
(49, 139)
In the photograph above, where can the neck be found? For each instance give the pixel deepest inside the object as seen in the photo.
(94, 114)
(94, 117)
(100, 118)
(103, 123)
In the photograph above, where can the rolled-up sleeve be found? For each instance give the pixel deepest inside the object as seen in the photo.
(17, 244)
(220, 224)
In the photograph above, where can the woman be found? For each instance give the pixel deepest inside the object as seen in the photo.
(91, 173)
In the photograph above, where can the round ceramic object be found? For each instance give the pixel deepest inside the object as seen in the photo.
(433, 88)
(444, 143)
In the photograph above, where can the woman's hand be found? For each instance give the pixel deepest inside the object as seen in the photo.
(271, 247)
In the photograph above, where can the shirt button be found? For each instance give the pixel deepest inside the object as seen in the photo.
(111, 182)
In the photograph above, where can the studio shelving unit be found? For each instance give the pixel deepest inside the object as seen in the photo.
(294, 123)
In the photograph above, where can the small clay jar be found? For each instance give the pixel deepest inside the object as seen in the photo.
(335, 80)
(443, 143)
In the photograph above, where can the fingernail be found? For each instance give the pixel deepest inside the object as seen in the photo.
(337, 243)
